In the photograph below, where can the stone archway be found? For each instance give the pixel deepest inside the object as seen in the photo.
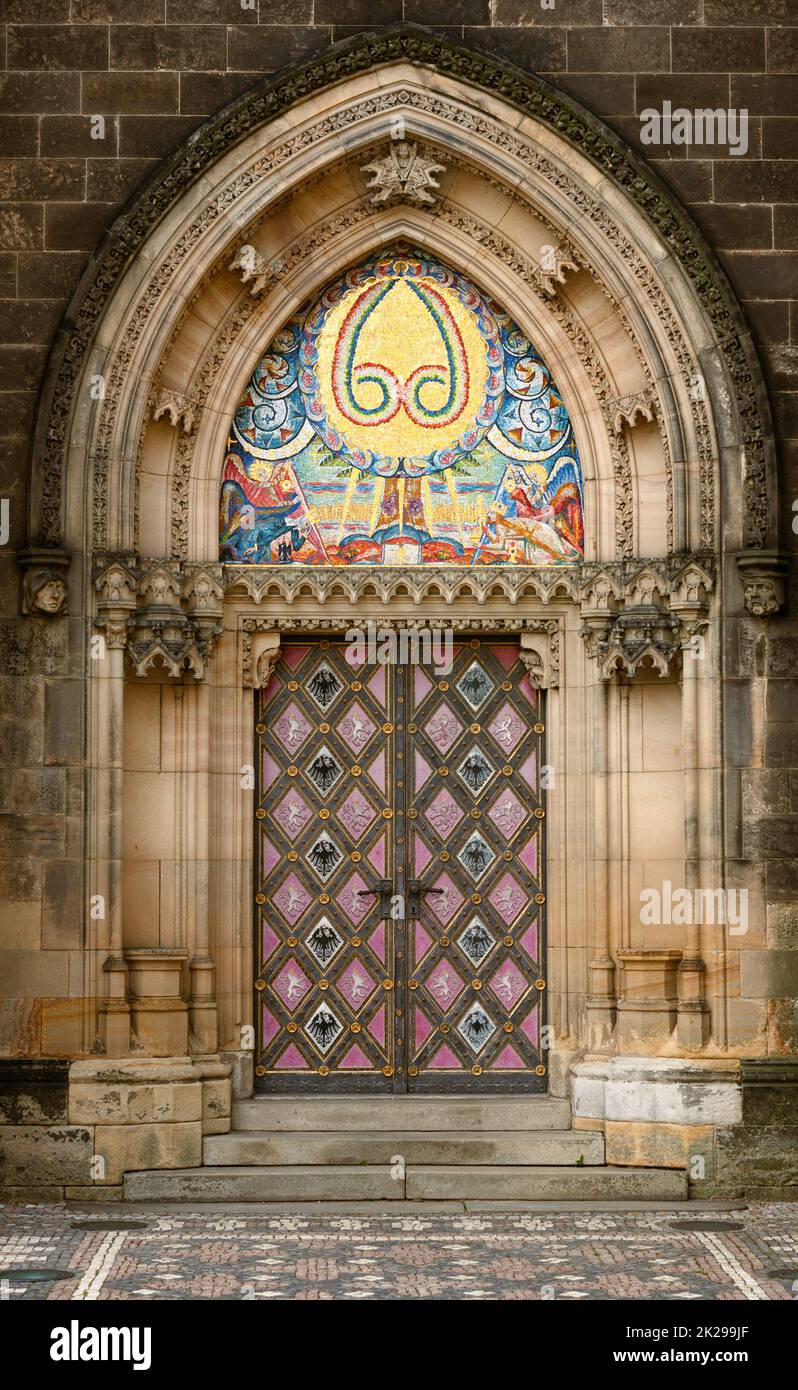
(547, 212)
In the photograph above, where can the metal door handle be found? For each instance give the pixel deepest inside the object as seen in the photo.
(415, 889)
(383, 891)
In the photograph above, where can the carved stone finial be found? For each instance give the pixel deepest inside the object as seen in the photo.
(763, 574)
(402, 172)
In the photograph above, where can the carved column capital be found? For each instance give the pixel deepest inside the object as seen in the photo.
(163, 613)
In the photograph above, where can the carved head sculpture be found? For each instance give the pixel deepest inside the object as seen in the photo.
(45, 593)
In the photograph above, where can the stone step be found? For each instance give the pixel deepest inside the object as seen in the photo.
(343, 1114)
(559, 1148)
(593, 1184)
(357, 1184)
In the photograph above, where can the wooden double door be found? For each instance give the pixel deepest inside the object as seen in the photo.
(399, 865)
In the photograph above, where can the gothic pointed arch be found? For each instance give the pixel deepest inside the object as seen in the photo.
(547, 207)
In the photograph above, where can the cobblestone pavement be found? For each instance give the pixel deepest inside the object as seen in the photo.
(329, 1253)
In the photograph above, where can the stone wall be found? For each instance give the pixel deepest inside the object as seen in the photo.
(154, 70)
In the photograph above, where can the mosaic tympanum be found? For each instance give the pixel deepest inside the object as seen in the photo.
(403, 418)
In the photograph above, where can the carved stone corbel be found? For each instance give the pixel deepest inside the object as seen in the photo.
(261, 653)
(763, 574)
(116, 586)
(180, 409)
(44, 589)
(534, 654)
(551, 270)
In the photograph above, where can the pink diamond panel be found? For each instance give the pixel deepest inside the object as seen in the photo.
(356, 813)
(356, 985)
(356, 728)
(507, 812)
(508, 898)
(292, 814)
(292, 728)
(443, 729)
(292, 898)
(291, 985)
(443, 813)
(446, 902)
(507, 728)
(508, 984)
(444, 984)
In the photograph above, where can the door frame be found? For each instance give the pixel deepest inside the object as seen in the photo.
(541, 641)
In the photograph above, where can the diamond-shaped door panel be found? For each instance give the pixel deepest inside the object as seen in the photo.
(443, 729)
(476, 856)
(324, 685)
(475, 685)
(476, 1027)
(356, 813)
(292, 813)
(444, 814)
(508, 813)
(507, 728)
(476, 771)
(292, 728)
(324, 771)
(324, 941)
(356, 728)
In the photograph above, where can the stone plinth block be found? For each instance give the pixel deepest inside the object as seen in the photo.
(33, 1092)
(647, 1008)
(126, 1148)
(660, 1146)
(159, 1014)
(668, 1090)
(36, 1155)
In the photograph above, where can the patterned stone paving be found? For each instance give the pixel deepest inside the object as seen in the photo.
(329, 1253)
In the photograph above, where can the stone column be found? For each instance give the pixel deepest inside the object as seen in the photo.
(196, 794)
(601, 998)
(601, 969)
(688, 603)
(693, 1016)
(116, 591)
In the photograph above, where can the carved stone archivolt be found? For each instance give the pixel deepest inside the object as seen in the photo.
(539, 102)
(164, 614)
